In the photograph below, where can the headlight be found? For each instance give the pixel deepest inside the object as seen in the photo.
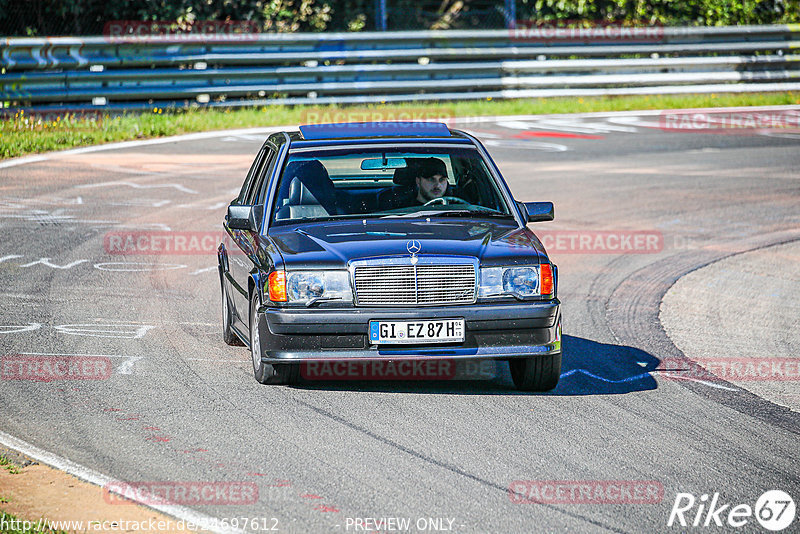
(304, 286)
(491, 282)
(518, 282)
(311, 286)
(523, 281)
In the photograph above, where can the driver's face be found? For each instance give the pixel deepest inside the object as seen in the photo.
(431, 187)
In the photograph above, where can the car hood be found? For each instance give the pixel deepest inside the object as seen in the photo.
(334, 244)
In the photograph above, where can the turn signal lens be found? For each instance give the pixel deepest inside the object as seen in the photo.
(277, 286)
(546, 279)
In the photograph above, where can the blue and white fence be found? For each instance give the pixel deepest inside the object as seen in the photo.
(108, 73)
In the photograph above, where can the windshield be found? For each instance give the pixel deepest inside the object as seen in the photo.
(376, 182)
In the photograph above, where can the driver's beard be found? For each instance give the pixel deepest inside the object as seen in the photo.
(427, 197)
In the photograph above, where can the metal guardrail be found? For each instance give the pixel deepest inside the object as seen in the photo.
(108, 73)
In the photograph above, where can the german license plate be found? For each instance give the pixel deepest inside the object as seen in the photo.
(426, 331)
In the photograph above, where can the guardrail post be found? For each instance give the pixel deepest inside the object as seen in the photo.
(380, 15)
(510, 13)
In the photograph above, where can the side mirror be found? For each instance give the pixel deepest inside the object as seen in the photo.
(538, 211)
(243, 217)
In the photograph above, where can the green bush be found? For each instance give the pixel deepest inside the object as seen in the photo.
(88, 17)
(665, 12)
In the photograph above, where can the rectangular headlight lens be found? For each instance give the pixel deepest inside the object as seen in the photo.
(521, 281)
(305, 286)
(491, 282)
(524, 281)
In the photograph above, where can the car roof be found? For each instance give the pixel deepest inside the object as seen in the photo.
(351, 130)
(374, 132)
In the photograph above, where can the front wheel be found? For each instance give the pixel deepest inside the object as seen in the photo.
(266, 373)
(538, 373)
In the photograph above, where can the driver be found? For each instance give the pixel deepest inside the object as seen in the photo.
(431, 181)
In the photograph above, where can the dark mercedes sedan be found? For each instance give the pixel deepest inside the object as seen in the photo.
(392, 242)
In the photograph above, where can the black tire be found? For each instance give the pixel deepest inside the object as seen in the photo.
(228, 335)
(538, 373)
(265, 373)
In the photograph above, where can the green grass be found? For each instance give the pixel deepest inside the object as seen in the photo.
(10, 524)
(22, 134)
(6, 464)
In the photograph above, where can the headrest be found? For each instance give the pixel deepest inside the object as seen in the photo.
(299, 194)
(304, 178)
(419, 167)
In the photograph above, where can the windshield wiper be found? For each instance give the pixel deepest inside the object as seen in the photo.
(461, 213)
(314, 300)
(452, 213)
(508, 294)
(408, 215)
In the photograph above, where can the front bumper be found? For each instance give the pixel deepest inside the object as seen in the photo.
(495, 331)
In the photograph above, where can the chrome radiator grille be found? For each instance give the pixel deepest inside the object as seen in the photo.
(423, 284)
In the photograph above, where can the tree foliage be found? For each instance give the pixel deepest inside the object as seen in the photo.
(665, 12)
(88, 17)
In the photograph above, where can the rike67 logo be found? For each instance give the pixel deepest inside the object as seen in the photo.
(774, 510)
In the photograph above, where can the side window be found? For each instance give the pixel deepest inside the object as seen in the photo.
(263, 190)
(476, 185)
(258, 176)
(252, 173)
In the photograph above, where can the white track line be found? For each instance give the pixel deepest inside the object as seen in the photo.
(130, 144)
(627, 113)
(98, 479)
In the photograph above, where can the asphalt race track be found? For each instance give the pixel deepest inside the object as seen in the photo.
(180, 405)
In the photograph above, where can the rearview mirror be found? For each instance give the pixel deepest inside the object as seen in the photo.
(242, 218)
(538, 211)
(374, 164)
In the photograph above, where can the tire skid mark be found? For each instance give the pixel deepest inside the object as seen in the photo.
(157, 435)
(325, 509)
(449, 467)
(632, 310)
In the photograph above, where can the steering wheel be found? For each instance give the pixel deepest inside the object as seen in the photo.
(445, 201)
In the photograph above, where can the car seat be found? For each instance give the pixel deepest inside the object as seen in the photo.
(402, 193)
(307, 191)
